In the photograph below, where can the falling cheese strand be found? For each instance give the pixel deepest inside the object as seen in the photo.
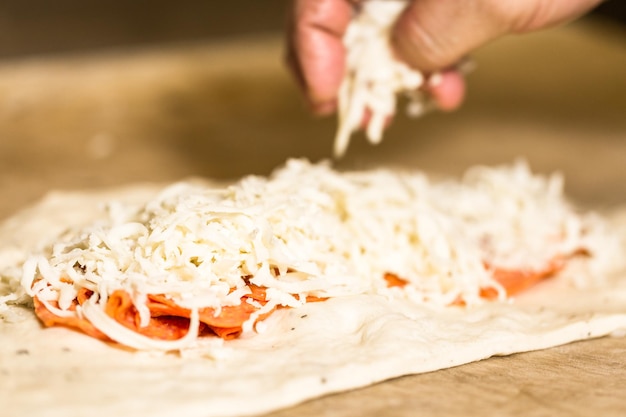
(373, 76)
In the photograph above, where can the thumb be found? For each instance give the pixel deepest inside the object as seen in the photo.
(435, 34)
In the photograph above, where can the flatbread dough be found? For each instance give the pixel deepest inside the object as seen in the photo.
(303, 353)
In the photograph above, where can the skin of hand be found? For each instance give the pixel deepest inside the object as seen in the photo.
(431, 35)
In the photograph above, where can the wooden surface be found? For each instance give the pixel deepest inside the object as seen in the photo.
(228, 109)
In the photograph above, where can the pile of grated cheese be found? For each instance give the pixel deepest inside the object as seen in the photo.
(310, 230)
(373, 76)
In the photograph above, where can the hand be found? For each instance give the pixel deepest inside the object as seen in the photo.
(431, 35)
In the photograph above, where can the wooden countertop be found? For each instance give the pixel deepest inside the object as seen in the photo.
(227, 109)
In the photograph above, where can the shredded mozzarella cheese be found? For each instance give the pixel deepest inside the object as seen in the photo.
(373, 75)
(309, 230)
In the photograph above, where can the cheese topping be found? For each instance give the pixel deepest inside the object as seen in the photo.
(373, 75)
(311, 231)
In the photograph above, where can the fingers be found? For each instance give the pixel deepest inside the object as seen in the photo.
(447, 89)
(316, 54)
(435, 34)
(429, 35)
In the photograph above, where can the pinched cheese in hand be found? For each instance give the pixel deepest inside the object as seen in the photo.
(373, 76)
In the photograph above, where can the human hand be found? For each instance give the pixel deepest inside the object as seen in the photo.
(431, 35)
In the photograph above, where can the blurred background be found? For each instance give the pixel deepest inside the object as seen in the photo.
(108, 92)
(40, 26)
